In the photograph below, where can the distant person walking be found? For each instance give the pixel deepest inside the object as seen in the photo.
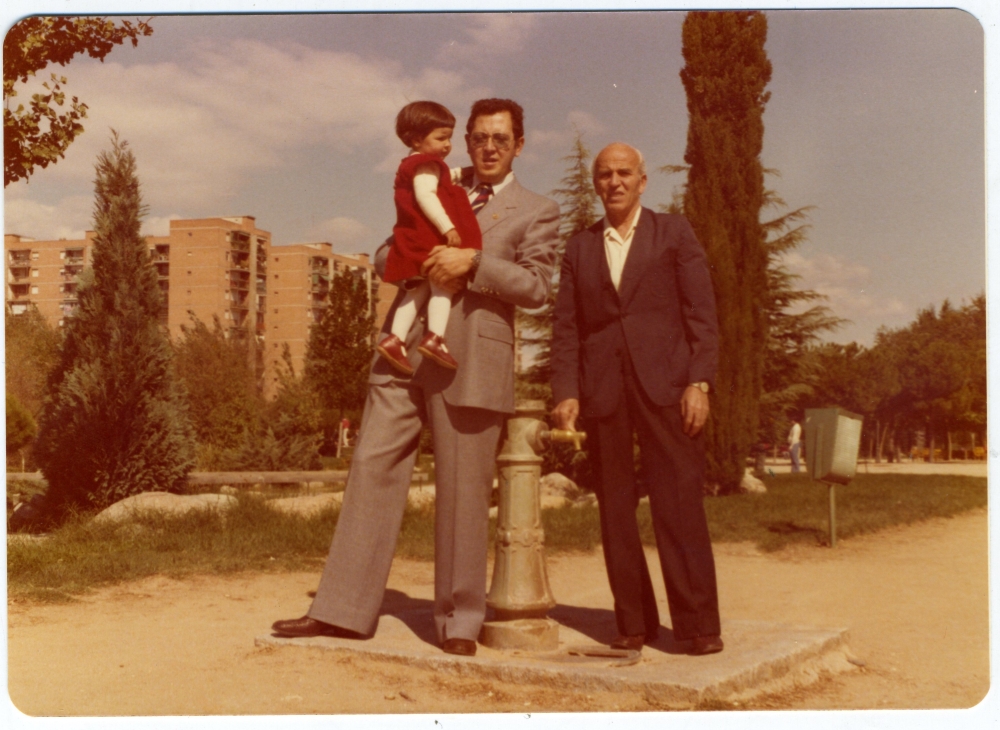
(795, 446)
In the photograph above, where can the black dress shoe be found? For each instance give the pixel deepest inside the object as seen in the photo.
(306, 627)
(701, 645)
(630, 643)
(462, 647)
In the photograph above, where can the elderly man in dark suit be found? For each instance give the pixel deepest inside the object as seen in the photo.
(635, 348)
(465, 408)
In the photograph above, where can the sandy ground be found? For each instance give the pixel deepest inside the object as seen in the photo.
(914, 599)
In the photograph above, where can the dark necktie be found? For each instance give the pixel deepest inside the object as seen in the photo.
(485, 190)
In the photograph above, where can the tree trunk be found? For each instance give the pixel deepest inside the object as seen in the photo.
(930, 442)
(878, 447)
(949, 444)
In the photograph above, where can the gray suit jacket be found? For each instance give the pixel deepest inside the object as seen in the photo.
(520, 235)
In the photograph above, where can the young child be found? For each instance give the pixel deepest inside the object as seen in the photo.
(430, 211)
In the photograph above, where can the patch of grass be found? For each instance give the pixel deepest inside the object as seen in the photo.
(81, 554)
(570, 528)
(796, 509)
(416, 535)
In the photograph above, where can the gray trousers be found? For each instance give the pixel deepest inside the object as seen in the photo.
(357, 568)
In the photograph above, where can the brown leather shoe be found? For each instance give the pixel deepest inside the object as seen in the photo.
(305, 627)
(433, 346)
(701, 645)
(631, 643)
(393, 350)
(462, 647)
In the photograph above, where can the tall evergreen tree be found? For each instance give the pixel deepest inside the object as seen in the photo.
(578, 202)
(725, 72)
(114, 422)
(340, 346)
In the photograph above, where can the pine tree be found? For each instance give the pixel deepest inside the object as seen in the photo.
(114, 422)
(578, 201)
(340, 347)
(725, 72)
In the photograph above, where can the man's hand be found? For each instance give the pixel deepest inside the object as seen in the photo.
(446, 267)
(452, 239)
(566, 413)
(694, 410)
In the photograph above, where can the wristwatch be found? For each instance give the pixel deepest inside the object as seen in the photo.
(477, 258)
(701, 385)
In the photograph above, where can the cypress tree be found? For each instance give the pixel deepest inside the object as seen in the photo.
(725, 72)
(114, 422)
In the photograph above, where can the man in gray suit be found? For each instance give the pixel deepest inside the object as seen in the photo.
(465, 408)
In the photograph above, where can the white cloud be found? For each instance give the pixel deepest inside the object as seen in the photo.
(848, 286)
(200, 130)
(69, 218)
(490, 36)
(541, 144)
(346, 234)
(158, 225)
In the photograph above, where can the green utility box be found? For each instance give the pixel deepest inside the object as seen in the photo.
(833, 437)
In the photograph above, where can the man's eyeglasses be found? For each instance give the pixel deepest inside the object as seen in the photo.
(501, 141)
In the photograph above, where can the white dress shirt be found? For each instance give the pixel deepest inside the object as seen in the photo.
(616, 247)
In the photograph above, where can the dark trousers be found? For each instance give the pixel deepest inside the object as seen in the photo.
(673, 467)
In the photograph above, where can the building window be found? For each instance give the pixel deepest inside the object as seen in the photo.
(34, 273)
(34, 290)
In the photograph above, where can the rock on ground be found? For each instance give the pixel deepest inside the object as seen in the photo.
(175, 504)
(752, 484)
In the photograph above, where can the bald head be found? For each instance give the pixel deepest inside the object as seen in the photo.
(620, 146)
(619, 180)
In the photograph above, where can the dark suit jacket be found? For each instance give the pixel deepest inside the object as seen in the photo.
(663, 313)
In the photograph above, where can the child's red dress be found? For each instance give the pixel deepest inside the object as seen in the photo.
(414, 235)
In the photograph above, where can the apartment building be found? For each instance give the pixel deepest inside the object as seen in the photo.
(209, 267)
(299, 278)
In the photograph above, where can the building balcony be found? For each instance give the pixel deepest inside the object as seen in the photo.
(20, 292)
(22, 257)
(19, 272)
(239, 242)
(163, 270)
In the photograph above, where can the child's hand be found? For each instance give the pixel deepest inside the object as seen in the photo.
(452, 238)
(456, 175)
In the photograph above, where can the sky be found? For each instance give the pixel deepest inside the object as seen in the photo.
(876, 118)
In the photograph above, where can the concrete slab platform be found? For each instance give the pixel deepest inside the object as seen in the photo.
(760, 657)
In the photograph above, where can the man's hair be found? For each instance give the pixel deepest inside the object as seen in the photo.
(640, 168)
(489, 107)
(419, 118)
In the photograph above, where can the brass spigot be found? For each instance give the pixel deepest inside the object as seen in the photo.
(574, 437)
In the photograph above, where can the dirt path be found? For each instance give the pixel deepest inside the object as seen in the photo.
(914, 599)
